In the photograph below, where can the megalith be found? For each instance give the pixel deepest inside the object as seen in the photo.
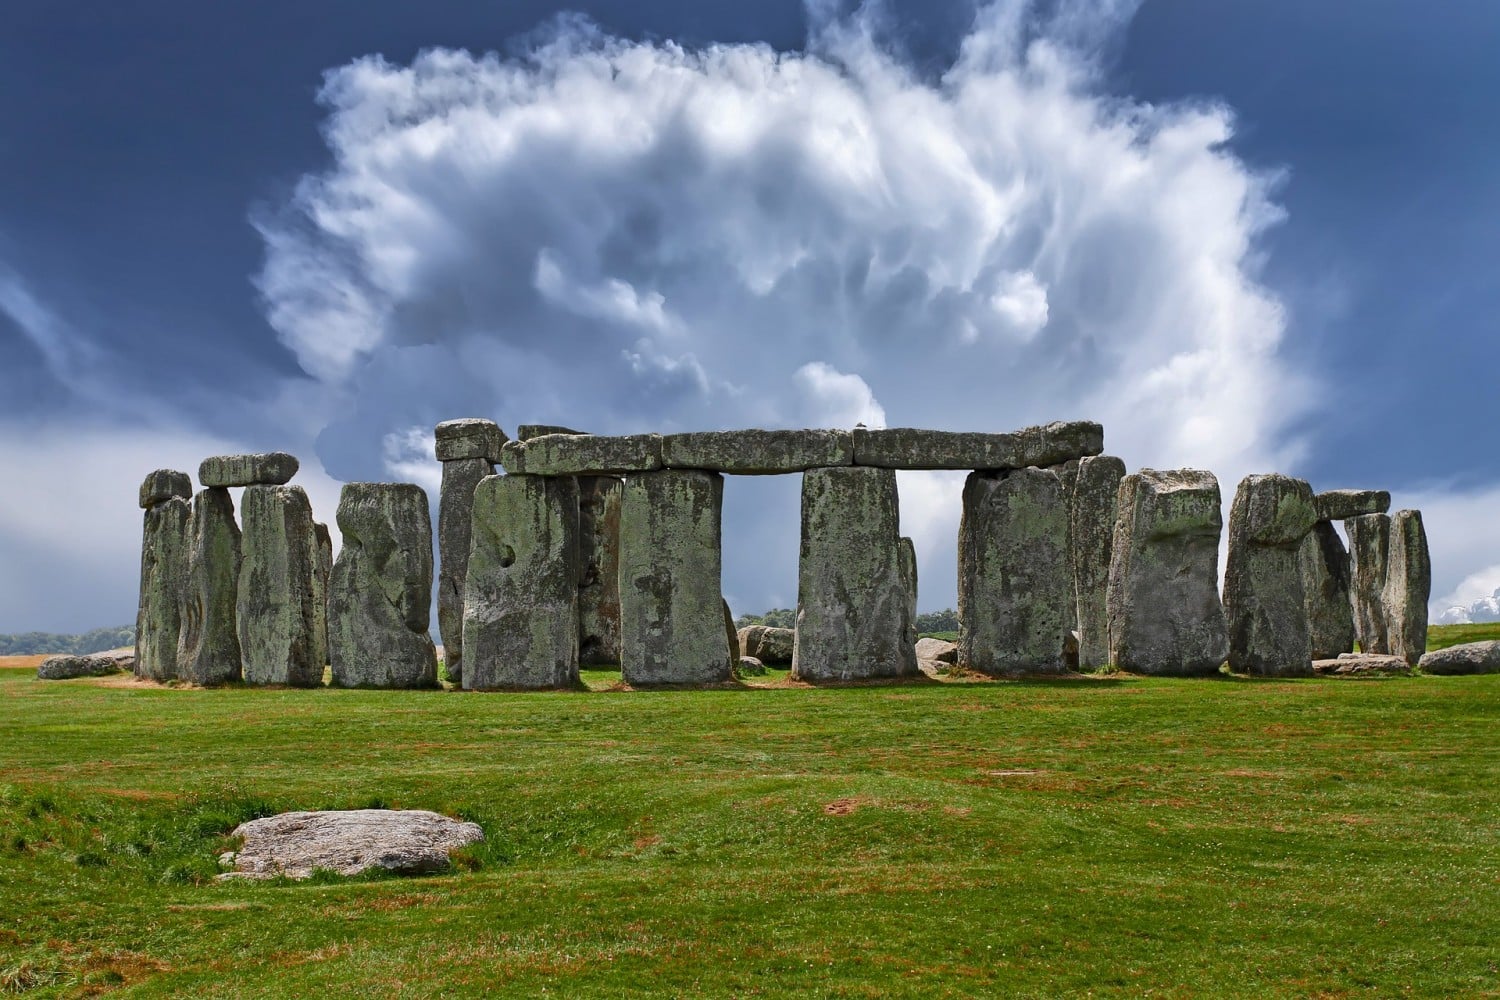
(1015, 581)
(279, 613)
(1092, 509)
(1408, 585)
(909, 580)
(1369, 549)
(1163, 606)
(320, 582)
(380, 590)
(1324, 566)
(208, 647)
(671, 604)
(1263, 596)
(599, 500)
(520, 597)
(165, 541)
(468, 450)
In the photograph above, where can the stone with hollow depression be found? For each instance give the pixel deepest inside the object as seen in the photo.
(347, 841)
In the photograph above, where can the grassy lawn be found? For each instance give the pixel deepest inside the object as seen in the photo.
(1117, 836)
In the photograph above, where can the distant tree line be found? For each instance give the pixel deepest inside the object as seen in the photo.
(38, 643)
(927, 621)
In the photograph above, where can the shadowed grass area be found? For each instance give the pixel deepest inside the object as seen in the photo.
(1209, 837)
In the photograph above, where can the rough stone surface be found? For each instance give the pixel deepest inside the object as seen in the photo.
(583, 455)
(939, 650)
(757, 452)
(599, 499)
(165, 543)
(671, 605)
(1015, 582)
(468, 439)
(1093, 505)
(1323, 563)
(274, 468)
(320, 585)
(1369, 552)
(528, 431)
(853, 607)
(910, 448)
(521, 599)
(767, 643)
(749, 666)
(455, 515)
(1360, 664)
(730, 635)
(296, 844)
(1263, 597)
(908, 553)
(1468, 658)
(165, 484)
(380, 591)
(63, 668)
(1340, 505)
(282, 623)
(1165, 616)
(1408, 585)
(208, 645)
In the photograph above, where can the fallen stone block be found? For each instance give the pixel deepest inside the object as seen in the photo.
(297, 844)
(1467, 658)
(583, 455)
(63, 668)
(1360, 664)
(1340, 505)
(757, 452)
(940, 650)
(911, 448)
(274, 468)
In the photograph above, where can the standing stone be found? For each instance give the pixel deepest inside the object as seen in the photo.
(208, 648)
(1015, 584)
(1408, 585)
(380, 592)
(455, 516)
(1263, 597)
(164, 484)
(165, 544)
(599, 499)
(909, 580)
(1092, 510)
(1165, 615)
(1369, 549)
(1324, 566)
(320, 593)
(854, 618)
(278, 613)
(521, 596)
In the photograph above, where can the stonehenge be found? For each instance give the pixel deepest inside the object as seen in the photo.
(468, 450)
(208, 647)
(1263, 599)
(1408, 584)
(1323, 562)
(1093, 504)
(164, 564)
(1369, 552)
(280, 610)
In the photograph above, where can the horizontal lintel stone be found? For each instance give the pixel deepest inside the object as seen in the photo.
(758, 452)
(528, 431)
(470, 437)
(1340, 505)
(911, 448)
(163, 485)
(583, 455)
(274, 468)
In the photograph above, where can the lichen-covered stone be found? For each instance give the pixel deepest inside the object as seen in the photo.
(165, 484)
(1340, 505)
(521, 597)
(208, 646)
(281, 621)
(767, 643)
(599, 499)
(528, 431)
(583, 455)
(1165, 615)
(911, 448)
(757, 452)
(274, 468)
(671, 605)
(165, 543)
(348, 841)
(1360, 665)
(1369, 551)
(1015, 589)
(467, 439)
(1466, 658)
(853, 605)
(66, 667)
(1408, 585)
(1263, 597)
(730, 635)
(1323, 563)
(1092, 508)
(320, 591)
(380, 591)
(455, 515)
(908, 553)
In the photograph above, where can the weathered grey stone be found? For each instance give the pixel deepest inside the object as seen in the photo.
(320, 591)
(165, 543)
(1092, 508)
(1340, 505)
(165, 484)
(939, 650)
(1165, 615)
(1015, 585)
(1323, 564)
(380, 591)
(528, 431)
(599, 499)
(63, 668)
(908, 553)
(767, 643)
(1263, 597)
(1468, 658)
(274, 468)
(349, 841)
(1408, 585)
(467, 439)
(1369, 552)
(671, 605)
(208, 645)
(278, 612)
(853, 606)
(583, 455)
(1360, 664)
(455, 516)
(757, 452)
(730, 635)
(749, 666)
(910, 448)
(521, 598)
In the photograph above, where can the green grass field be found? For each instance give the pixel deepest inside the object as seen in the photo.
(1106, 836)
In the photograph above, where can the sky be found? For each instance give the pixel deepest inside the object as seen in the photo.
(1248, 236)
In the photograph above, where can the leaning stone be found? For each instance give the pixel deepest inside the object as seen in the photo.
(469, 438)
(1360, 664)
(1092, 509)
(910, 448)
(853, 606)
(165, 484)
(1408, 585)
(1340, 505)
(297, 844)
(274, 468)
(908, 555)
(583, 455)
(63, 668)
(730, 635)
(940, 650)
(1369, 552)
(165, 544)
(1323, 563)
(528, 431)
(208, 646)
(767, 643)
(1468, 658)
(380, 591)
(757, 452)
(455, 516)
(1015, 591)
(521, 596)
(599, 499)
(1165, 616)
(1263, 598)
(278, 612)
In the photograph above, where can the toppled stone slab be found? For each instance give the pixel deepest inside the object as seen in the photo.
(1360, 664)
(528, 431)
(1340, 505)
(1324, 564)
(1408, 586)
(467, 438)
(208, 645)
(767, 643)
(165, 484)
(912, 448)
(166, 540)
(1369, 552)
(582, 455)
(1467, 658)
(939, 650)
(1263, 597)
(297, 844)
(757, 452)
(455, 519)
(275, 468)
(64, 668)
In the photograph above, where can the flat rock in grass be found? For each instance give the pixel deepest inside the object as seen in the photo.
(757, 452)
(1360, 664)
(1468, 658)
(64, 668)
(274, 468)
(583, 455)
(350, 841)
(940, 650)
(1340, 505)
(470, 437)
(911, 448)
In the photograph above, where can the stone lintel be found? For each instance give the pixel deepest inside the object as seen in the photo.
(528, 431)
(758, 452)
(274, 468)
(470, 437)
(911, 448)
(164, 484)
(1340, 505)
(582, 455)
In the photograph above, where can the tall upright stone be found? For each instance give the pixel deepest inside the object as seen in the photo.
(1263, 596)
(671, 604)
(468, 450)
(909, 581)
(854, 609)
(1165, 615)
(279, 612)
(1324, 565)
(208, 648)
(320, 593)
(165, 541)
(1408, 585)
(521, 593)
(1015, 582)
(1369, 552)
(1092, 509)
(380, 591)
(599, 500)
